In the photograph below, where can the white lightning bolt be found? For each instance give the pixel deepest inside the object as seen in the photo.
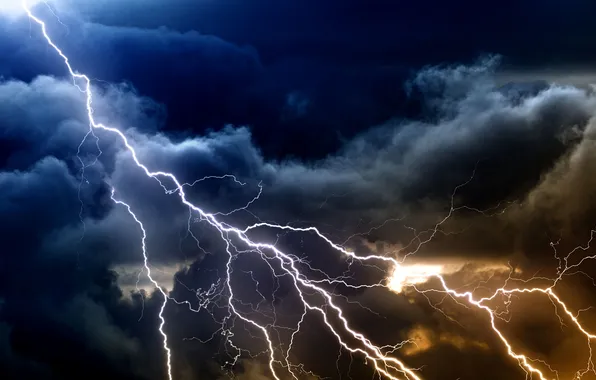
(287, 263)
(401, 275)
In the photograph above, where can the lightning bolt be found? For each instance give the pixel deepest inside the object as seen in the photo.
(282, 264)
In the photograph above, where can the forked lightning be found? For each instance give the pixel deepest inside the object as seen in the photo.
(400, 277)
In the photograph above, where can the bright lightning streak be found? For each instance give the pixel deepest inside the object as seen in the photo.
(12, 8)
(402, 275)
(286, 262)
(157, 286)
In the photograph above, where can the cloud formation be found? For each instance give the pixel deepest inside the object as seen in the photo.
(527, 144)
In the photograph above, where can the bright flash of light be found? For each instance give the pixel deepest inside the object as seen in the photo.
(13, 8)
(237, 241)
(408, 275)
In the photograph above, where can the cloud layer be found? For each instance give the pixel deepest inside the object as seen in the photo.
(524, 152)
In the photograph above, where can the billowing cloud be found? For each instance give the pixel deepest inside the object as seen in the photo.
(527, 145)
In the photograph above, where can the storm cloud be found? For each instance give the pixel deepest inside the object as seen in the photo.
(510, 163)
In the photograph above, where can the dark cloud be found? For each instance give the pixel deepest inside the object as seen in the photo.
(408, 166)
(58, 290)
(68, 303)
(403, 169)
(349, 58)
(207, 82)
(44, 294)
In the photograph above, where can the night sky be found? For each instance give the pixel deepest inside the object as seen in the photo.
(454, 136)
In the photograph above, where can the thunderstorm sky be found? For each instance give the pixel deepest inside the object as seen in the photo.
(457, 136)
